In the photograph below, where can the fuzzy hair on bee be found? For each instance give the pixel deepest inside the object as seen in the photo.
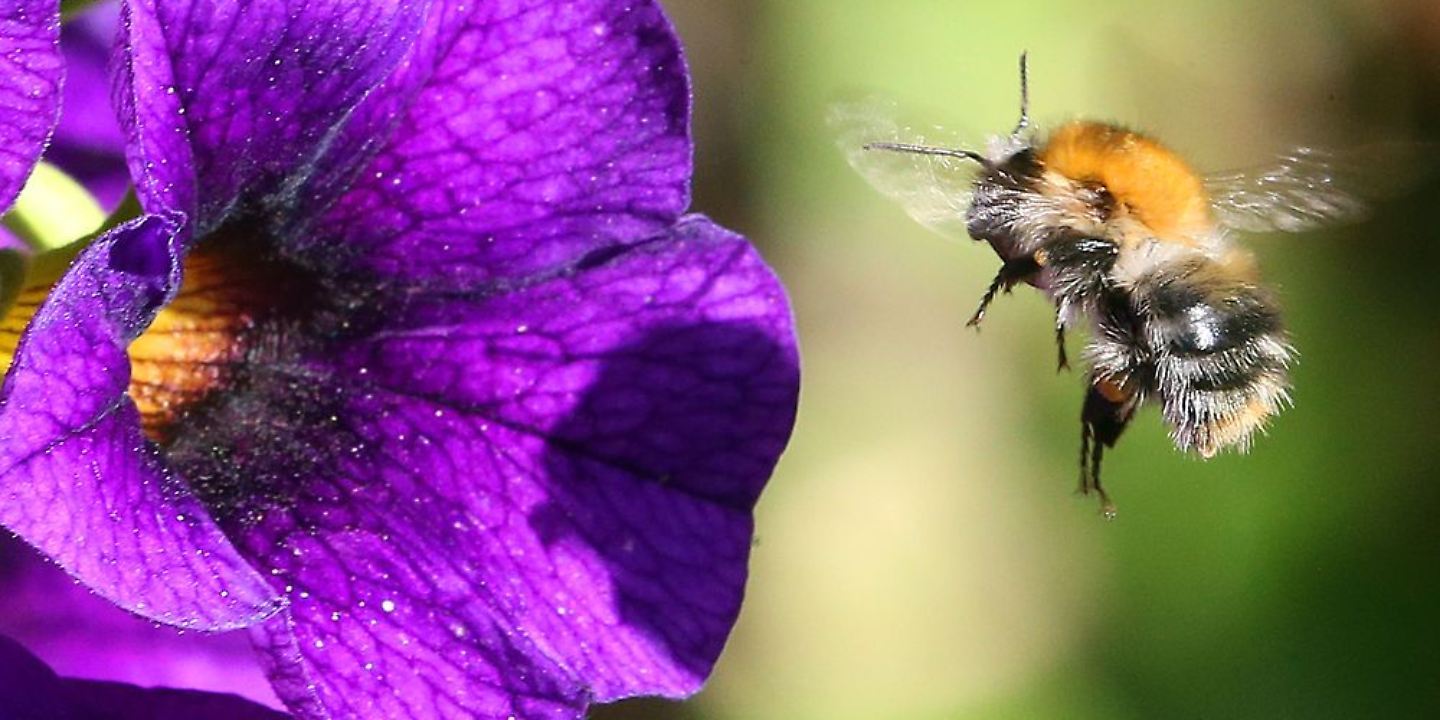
(1127, 239)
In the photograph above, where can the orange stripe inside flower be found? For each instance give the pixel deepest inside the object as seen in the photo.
(195, 342)
(198, 341)
(18, 316)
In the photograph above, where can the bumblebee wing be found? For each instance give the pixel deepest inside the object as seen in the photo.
(1309, 188)
(1304, 189)
(933, 190)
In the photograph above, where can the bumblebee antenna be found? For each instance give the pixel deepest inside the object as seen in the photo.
(1024, 95)
(928, 150)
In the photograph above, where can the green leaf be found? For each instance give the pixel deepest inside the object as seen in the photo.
(70, 8)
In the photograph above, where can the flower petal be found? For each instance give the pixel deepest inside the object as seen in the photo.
(117, 701)
(63, 622)
(536, 133)
(30, 72)
(516, 504)
(29, 690)
(523, 357)
(229, 102)
(78, 479)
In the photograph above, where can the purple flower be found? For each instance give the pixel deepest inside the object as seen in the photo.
(84, 142)
(81, 635)
(30, 690)
(30, 71)
(414, 366)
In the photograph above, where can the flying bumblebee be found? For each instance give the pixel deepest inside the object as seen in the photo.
(1121, 234)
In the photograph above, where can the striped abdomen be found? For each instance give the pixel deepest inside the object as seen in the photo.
(1219, 352)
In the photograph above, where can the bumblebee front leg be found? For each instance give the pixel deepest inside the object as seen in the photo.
(1079, 267)
(1013, 271)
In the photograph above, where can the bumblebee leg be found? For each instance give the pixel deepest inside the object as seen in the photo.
(1013, 271)
(1092, 451)
(1064, 362)
(1108, 409)
(986, 299)
(1107, 508)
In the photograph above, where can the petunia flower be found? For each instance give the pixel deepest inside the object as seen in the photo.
(30, 78)
(413, 365)
(83, 173)
(82, 636)
(30, 690)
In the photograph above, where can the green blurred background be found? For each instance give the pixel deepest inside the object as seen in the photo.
(921, 553)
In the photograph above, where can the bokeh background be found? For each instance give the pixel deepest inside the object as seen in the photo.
(921, 554)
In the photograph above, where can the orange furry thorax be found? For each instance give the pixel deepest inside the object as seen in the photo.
(1152, 183)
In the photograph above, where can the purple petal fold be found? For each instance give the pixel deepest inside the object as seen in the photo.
(529, 133)
(30, 74)
(78, 479)
(81, 635)
(30, 690)
(118, 701)
(519, 503)
(229, 102)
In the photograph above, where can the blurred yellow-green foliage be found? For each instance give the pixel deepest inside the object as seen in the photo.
(921, 553)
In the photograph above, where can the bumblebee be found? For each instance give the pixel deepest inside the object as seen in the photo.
(1125, 237)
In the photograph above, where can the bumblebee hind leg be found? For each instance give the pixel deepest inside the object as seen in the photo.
(1107, 411)
(1012, 272)
(1091, 452)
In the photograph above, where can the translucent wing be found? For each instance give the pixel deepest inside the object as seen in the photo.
(1308, 188)
(935, 191)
